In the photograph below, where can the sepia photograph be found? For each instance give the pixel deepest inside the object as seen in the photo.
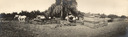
(63, 18)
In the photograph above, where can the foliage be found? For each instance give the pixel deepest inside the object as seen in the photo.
(103, 16)
(123, 16)
(30, 15)
(112, 16)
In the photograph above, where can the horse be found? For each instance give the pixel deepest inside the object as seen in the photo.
(20, 18)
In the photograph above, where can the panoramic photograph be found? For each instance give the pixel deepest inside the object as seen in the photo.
(63, 18)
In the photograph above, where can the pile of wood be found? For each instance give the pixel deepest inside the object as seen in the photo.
(95, 25)
(95, 22)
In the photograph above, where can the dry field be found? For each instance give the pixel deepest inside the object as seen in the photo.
(23, 29)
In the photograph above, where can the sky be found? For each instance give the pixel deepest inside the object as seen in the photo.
(118, 7)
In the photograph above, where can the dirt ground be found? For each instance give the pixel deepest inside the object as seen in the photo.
(21, 29)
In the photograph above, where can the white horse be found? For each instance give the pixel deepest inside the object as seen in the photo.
(41, 17)
(20, 18)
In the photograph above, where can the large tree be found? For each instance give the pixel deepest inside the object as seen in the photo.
(61, 8)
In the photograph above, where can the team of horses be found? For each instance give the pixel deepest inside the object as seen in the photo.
(42, 17)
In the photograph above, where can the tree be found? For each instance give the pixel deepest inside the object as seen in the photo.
(3, 15)
(32, 15)
(103, 16)
(14, 13)
(62, 7)
(0, 16)
(9, 16)
(23, 13)
(112, 16)
(123, 16)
